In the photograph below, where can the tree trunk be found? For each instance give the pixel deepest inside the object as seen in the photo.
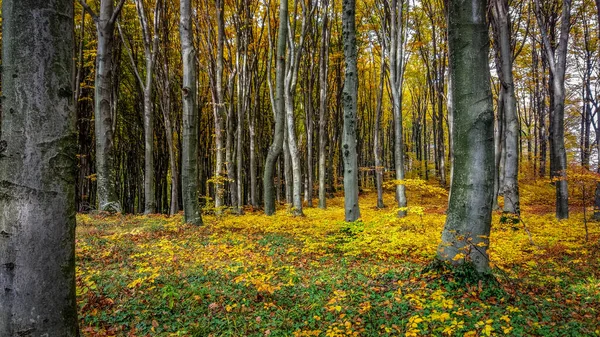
(557, 66)
(396, 74)
(219, 111)
(511, 120)
(38, 169)
(189, 143)
(470, 206)
(277, 145)
(103, 106)
(323, 71)
(376, 146)
(349, 98)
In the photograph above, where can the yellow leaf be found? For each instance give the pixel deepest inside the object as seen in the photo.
(458, 256)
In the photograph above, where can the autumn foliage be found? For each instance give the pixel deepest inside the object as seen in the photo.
(255, 275)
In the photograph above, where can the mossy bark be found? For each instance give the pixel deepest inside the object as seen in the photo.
(38, 171)
(468, 222)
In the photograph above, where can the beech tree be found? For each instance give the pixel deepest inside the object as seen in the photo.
(105, 21)
(279, 109)
(37, 170)
(396, 62)
(349, 95)
(503, 43)
(189, 144)
(469, 212)
(150, 41)
(557, 62)
(323, 71)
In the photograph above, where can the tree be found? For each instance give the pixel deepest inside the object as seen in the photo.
(277, 146)
(105, 167)
(470, 206)
(349, 97)
(150, 41)
(323, 71)
(291, 79)
(396, 55)
(38, 171)
(502, 27)
(557, 61)
(219, 107)
(189, 144)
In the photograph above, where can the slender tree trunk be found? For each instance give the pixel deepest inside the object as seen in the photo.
(294, 152)
(189, 143)
(498, 132)
(38, 169)
(229, 155)
(287, 165)
(349, 98)
(277, 145)
(376, 130)
(470, 206)
(308, 192)
(597, 194)
(219, 111)
(511, 165)
(396, 74)
(106, 179)
(323, 72)
(557, 66)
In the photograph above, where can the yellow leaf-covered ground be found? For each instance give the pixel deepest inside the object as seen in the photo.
(254, 275)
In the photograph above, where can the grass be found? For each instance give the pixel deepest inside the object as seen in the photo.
(255, 275)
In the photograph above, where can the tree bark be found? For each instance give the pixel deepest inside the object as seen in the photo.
(323, 72)
(396, 78)
(511, 166)
(470, 206)
(219, 111)
(277, 146)
(38, 169)
(189, 143)
(376, 131)
(103, 105)
(557, 65)
(349, 99)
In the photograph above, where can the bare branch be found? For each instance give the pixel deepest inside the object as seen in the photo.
(117, 11)
(89, 10)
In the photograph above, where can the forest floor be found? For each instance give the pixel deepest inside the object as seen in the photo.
(255, 275)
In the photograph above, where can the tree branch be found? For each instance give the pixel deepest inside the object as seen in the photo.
(116, 12)
(89, 10)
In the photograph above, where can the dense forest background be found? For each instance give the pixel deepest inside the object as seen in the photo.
(235, 43)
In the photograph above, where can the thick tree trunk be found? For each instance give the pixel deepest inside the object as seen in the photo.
(349, 98)
(470, 206)
(189, 143)
(37, 170)
(277, 145)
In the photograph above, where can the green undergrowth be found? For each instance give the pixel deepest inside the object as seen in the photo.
(317, 276)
